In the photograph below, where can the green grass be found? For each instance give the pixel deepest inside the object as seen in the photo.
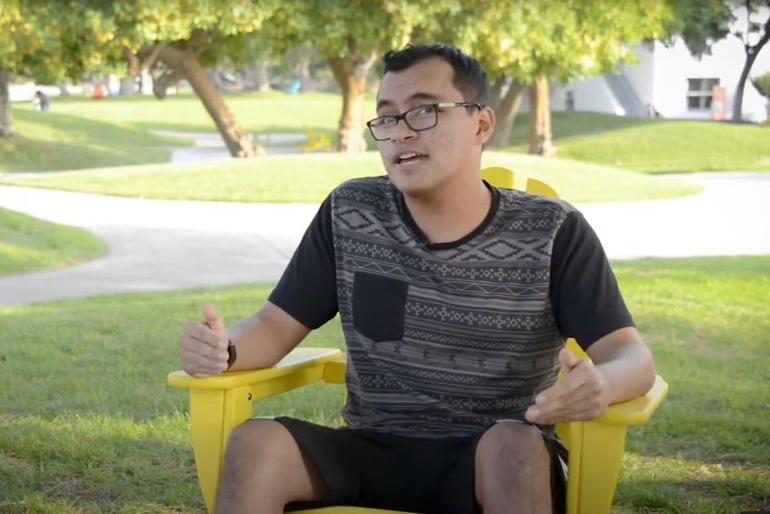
(655, 146)
(28, 244)
(81, 133)
(58, 141)
(310, 177)
(87, 424)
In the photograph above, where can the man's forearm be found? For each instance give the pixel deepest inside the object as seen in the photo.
(630, 372)
(265, 338)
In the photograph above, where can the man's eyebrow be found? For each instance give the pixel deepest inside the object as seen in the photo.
(416, 96)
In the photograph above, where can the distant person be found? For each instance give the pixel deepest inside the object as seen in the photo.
(41, 101)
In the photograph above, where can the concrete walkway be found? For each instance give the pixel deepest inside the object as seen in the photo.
(158, 245)
(208, 146)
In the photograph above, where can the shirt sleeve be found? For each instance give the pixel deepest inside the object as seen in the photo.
(307, 289)
(585, 297)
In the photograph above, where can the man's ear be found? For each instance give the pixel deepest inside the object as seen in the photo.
(486, 125)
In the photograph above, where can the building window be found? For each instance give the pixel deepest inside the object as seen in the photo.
(700, 93)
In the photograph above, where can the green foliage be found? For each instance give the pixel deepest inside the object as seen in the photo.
(762, 83)
(215, 30)
(701, 23)
(562, 40)
(49, 41)
(351, 29)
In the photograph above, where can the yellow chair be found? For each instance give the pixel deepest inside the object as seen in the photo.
(316, 140)
(219, 404)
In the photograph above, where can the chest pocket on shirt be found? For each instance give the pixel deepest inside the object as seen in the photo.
(379, 304)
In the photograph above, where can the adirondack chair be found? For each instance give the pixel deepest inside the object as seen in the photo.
(219, 404)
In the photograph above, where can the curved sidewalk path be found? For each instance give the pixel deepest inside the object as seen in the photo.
(158, 245)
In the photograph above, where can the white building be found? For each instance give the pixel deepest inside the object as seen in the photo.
(669, 81)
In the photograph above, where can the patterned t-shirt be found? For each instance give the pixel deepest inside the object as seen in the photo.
(444, 339)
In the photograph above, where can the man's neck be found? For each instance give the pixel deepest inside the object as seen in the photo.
(450, 214)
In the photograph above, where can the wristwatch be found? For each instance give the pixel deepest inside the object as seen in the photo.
(231, 354)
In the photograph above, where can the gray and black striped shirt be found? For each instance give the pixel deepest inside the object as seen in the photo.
(444, 339)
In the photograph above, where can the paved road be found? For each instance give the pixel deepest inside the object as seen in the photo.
(160, 245)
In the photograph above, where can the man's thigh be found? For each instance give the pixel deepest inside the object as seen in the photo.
(264, 464)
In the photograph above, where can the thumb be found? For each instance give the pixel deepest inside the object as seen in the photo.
(568, 360)
(213, 319)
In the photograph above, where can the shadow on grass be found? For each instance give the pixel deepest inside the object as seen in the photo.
(86, 144)
(738, 494)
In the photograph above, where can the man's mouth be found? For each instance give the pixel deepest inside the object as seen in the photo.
(409, 157)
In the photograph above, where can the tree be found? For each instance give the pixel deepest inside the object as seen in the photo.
(178, 39)
(701, 23)
(175, 39)
(47, 42)
(532, 43)
(351, 35)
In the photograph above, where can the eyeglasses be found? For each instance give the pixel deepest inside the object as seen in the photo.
(420, 118)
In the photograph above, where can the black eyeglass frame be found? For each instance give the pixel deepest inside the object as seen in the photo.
(437, 106)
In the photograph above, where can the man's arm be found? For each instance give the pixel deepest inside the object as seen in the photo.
(260, 341)
(265, 338)
(621, 368)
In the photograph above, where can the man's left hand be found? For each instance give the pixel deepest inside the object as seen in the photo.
(582, 395)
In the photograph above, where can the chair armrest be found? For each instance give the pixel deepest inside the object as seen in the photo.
(297, 360)
(639, 410)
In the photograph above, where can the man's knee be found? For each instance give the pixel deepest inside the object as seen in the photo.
(253, 445)
(513, 449)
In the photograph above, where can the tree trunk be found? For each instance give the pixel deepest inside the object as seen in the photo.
(506, 114)
(751, 56)
(6, 128)
(263, 75)
(495, 92)
(128, 84)
(350, 73)
(186, 64)
(540, 138)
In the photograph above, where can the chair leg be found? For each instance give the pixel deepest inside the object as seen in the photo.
(214, 414)
(597, 477)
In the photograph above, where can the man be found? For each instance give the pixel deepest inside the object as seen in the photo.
(455, 299)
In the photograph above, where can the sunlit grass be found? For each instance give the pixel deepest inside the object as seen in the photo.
(310, 177)
(28, 243)
(88, 425)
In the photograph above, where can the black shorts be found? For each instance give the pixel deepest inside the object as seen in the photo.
(367, 468)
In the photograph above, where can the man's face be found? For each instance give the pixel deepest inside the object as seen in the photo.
(443, 153)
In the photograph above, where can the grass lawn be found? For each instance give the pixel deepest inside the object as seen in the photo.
(310, 177)
(654, 146)
(60, 141)
(87, 424)
(82, 133)
(28, 243)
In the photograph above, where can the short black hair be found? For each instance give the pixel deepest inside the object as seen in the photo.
(469, 77)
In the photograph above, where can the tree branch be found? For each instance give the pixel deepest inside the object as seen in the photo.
(150, 61)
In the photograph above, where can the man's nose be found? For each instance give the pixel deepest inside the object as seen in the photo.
(403, 132)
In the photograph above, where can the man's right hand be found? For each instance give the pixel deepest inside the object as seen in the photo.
(203, 345)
